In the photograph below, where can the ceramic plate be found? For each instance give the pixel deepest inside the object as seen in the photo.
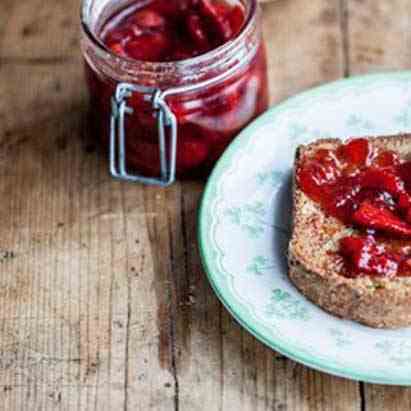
(244, 227)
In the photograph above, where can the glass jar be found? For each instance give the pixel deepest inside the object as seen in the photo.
(172, 118)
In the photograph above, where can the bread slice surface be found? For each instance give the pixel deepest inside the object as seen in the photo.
(316, 269)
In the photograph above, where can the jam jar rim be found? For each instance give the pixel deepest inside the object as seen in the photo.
(219, 57)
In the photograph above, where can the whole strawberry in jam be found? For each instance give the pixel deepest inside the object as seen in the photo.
(368, 188)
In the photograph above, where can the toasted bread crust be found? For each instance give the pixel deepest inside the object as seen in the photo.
(377, 302)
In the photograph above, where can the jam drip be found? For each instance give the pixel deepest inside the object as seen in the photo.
(171, 30)
(368, 188)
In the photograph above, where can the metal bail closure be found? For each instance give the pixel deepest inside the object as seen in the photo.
(166, 121)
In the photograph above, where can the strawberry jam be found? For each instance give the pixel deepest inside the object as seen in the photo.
(166, 44)
(170, 30)
(370, 189)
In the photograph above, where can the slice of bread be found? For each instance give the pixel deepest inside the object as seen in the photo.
(316, 272)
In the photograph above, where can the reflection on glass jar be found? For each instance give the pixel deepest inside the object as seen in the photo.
(221, 82)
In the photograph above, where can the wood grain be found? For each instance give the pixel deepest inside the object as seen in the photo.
(378, 35)
(305, 45)
(103, 301)
(38, 31)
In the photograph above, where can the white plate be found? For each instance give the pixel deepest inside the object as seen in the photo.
(244, 228)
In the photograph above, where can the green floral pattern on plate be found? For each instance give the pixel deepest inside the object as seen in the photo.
(249, 217)
(284, 306)
(341, 338)
(245, 215)
(397, 352)
(259, 264)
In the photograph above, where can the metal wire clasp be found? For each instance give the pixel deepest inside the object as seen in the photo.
(166, 121)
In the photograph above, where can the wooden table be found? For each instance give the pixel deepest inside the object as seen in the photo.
(103, 302)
